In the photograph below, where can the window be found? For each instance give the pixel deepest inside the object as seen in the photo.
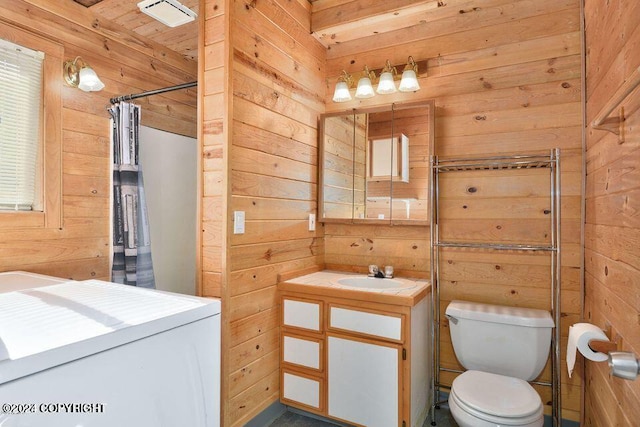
(30, 130)
(20, 125)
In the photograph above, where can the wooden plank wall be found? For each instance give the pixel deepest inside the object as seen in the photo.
(505, 77)
(612, 234)
(126, 63)
(264, 92)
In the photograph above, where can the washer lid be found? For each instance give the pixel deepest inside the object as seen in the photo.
(46, 326)
(18, 280)
(496, 395)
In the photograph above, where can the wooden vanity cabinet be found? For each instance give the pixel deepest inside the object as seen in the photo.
(360, 362)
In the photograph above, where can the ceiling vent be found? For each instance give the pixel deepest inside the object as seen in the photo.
(170, 12)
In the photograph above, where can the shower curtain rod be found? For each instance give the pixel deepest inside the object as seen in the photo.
(152, 92)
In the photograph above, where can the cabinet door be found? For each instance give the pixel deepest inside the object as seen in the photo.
(302, 314)
(386, 326)
(363, 381)
(301, 351)
(301, 390)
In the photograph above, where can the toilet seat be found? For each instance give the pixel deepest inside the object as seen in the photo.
(497, 398)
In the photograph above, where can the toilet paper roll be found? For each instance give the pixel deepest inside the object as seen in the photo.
(579, 336)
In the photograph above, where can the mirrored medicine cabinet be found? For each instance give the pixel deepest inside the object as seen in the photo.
(374, 164)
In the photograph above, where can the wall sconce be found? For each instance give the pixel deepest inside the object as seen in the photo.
(81, 76)
(341, 94)
(365, 87)
(386, 82)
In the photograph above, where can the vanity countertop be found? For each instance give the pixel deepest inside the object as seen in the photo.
(325, 282)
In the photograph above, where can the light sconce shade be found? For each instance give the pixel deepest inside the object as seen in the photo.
(81, 76)
(341, 93)
(365, 89)
(409, 82)
(386, 84)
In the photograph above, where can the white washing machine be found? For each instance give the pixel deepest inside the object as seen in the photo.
(99, 354)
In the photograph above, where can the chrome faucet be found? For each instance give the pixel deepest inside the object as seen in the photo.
(373, 270)
(388, 271)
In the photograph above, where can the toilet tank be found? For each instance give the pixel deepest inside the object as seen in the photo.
(503, 340)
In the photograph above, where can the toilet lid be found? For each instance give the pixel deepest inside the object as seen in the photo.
(496, 395)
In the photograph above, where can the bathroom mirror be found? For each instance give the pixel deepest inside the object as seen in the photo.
(374, 164)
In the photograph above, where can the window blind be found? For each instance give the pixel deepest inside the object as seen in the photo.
(20, 111)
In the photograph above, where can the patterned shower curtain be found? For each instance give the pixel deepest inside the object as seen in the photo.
(132, 263)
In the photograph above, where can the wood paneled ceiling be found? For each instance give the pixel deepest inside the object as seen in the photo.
(182, 39)
(332, 21)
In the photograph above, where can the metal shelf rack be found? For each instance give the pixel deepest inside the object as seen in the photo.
(549, 161)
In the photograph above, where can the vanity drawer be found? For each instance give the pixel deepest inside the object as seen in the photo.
(302, 351)
(305, 390)
(303, 314)
(370, 323)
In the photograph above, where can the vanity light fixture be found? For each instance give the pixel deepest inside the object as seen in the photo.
(409, 82)
(386, 83)
(341, 94)
(365, 88)
(78, 73)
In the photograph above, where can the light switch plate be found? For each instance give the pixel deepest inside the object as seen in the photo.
(238, 222)
(312, 222)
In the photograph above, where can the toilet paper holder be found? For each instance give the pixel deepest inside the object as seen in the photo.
(622, 364)
(606, 346)
(603, 346)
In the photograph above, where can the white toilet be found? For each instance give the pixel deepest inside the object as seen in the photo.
(502, 348)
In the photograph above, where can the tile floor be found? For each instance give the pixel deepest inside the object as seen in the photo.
(295, 419)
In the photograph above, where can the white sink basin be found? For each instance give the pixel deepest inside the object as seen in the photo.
(373, 283)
